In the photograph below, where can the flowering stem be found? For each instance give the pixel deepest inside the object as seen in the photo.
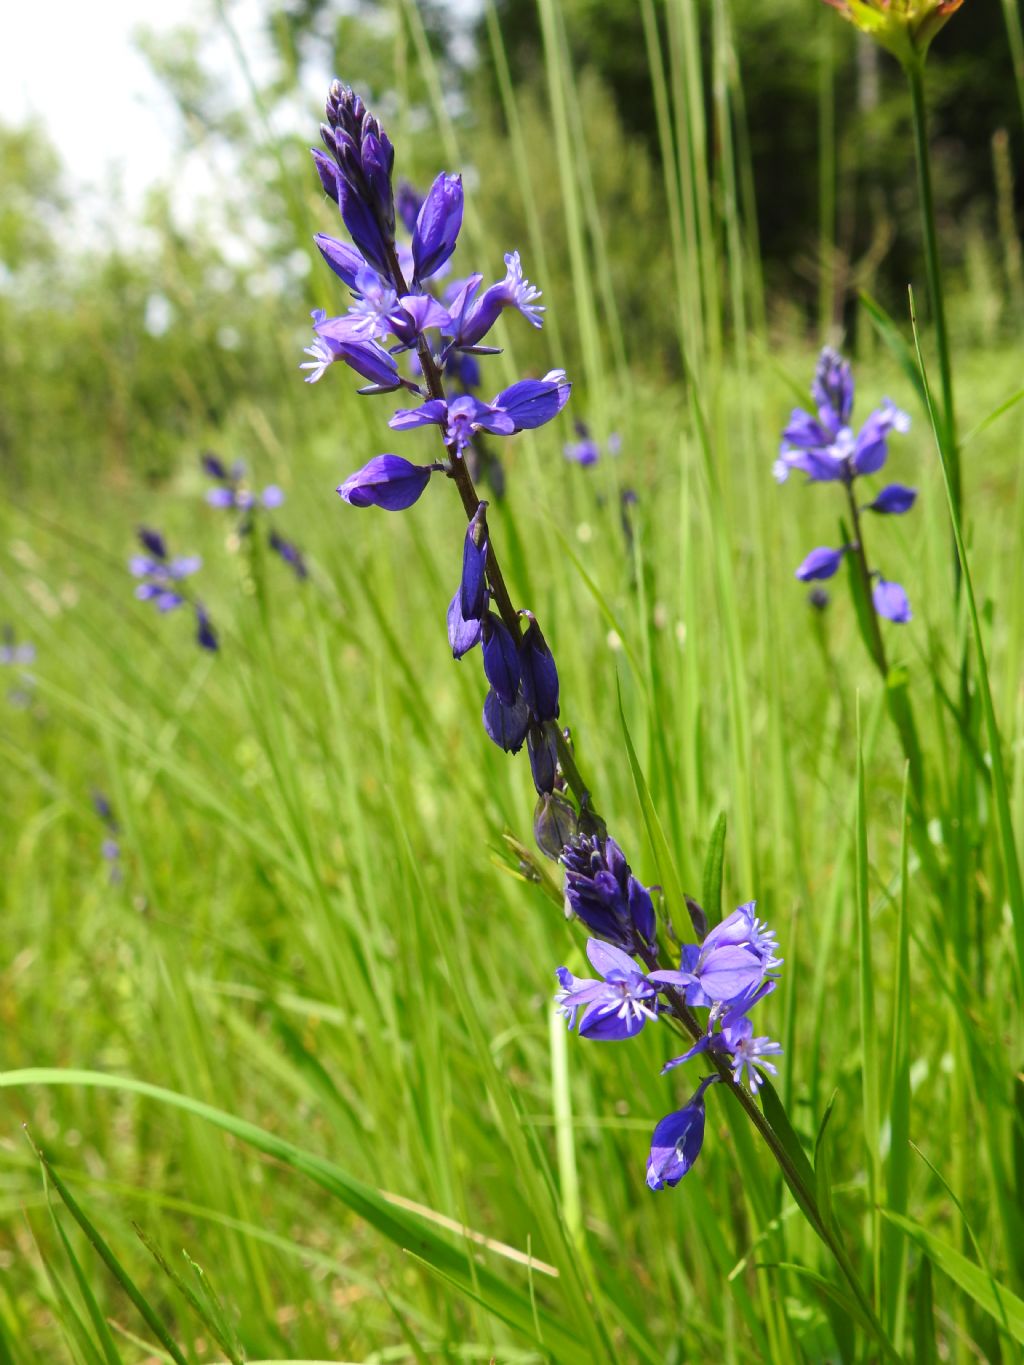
(915, 77)
(804, 1195)
(860, 554)
(458, 471)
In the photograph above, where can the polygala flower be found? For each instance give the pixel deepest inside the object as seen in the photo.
(163, 582)
(400, 332)
(824, 446)
(231, 492)
(677, 1140)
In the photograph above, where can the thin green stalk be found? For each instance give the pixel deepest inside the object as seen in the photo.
(915, 78)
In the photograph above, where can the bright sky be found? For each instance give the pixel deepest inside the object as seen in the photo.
(74, 64)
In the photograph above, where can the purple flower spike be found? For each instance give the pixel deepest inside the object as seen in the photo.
(506, 725)
(463, 635)
(532, 402)
(501, 658)
(676, 1141)
(437, 226)
(473, 588)
(386, 481)
(832, 389)
(821, 563)
(894, 499)
(891, 601)
(614, 1008)
(540, 676)
(599, 892)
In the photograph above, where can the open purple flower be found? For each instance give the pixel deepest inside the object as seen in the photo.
(677, 1140)
(459, 419)
(472, 318)
(231, 489)
(730, 965)
(12, 653)
(163, 581)
(616, 1007)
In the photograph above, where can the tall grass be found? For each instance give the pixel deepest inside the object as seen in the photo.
(305, 1045)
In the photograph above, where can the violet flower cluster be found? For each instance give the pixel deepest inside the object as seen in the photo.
(162, 582)
(231, 491)
(826, 449)
(395, 312)
(727, 973)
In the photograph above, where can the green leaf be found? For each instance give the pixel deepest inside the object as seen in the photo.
(711, 885)
(666, 863)
(978, 1284)
(400, 1226)
(823, 1164)
(146, 1312)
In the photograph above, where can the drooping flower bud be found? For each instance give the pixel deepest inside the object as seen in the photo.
(386, 481)
(542, 748)
(473, 587)
(820, 563)
(554, 824)
(894, 500)
(501, 658)
(506, 725)
(463, 635)
(540, 676)
(677, 1140)
(152, 541)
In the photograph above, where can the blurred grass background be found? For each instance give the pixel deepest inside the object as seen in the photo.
(319, 927)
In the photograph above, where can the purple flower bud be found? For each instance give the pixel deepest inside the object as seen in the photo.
(386, 481)
(343, 259)
(363, 227)
(820, 563)
(473, 588)
(437, 226)
(832, 389)
(698, 918)
(213, 466)
(677, 1140)
(542, 747)
(463, 635)
(205, 636)
(152, 541)
(894, 499)
(506, 725)
(532, 402)
(407, 205)
(540, 676)
(554, 824)
(891, 601)
(501, 658)
(818, 598)
(290, 553)
(330, 178)
(641, 909)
